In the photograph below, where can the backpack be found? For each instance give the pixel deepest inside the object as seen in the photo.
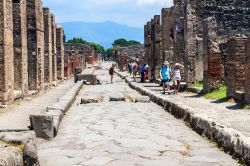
(111, 70)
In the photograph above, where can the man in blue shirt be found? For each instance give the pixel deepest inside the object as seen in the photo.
(165, 76)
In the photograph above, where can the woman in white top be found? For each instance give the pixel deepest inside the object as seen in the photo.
(177, 77)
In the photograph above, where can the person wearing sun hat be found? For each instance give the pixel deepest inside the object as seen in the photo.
(165, 76)
(177, 76)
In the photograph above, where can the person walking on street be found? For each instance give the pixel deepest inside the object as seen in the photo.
(130, 68)
(177, 77)
(135, 69)
(142, 72)
(165, 76)
(111, 72)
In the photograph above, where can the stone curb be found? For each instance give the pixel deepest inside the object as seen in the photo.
(46, 126)
(231, 140)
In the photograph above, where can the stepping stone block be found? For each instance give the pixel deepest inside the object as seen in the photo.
(43, 126)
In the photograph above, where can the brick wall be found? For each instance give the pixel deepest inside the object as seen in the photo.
(35, 34)
(247, 83)
(20, 47)
(212, 56)
(6, 52)
(60, 53)
(236, 65)
(47, 46)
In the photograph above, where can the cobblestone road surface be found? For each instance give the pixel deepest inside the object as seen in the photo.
(125, 133)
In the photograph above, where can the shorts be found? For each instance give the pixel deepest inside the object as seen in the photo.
(165, 81)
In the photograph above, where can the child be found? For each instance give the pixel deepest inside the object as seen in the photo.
(177, 77)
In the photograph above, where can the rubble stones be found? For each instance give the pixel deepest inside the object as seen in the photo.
(10, 156)
(25, 139)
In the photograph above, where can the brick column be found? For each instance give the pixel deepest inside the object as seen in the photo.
(6, 52)
(236, 65)
(35, 30)
(20, 47)
(54, 51)
(247, 83)
(167, 37)
(60, 53)
(212, 56)
(47, 46)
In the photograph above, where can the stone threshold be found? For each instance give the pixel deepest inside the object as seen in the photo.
(230, 139)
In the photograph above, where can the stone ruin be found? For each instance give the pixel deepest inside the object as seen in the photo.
(210, 38)
(129, 53)
(75, 56)
(31, 49)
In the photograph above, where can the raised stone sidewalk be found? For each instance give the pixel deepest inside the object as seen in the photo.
(222, 122)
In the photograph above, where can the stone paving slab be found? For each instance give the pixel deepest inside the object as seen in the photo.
(125, 133)
(217, 120)
(18, 113)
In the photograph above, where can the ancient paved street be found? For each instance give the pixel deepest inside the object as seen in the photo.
(125, 133)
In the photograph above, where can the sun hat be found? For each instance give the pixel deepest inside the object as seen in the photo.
(166, 63)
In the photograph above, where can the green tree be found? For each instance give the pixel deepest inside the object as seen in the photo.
(123, 43)
(76, 40)
(98, 48)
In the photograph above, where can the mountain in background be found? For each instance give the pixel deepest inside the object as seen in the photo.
(103, 33)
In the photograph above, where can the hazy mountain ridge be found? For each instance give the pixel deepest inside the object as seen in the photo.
(103, 33)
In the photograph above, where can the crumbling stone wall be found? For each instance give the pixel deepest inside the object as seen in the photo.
(60, 53)
(35, 34)
(130, 53)
(247, 83)
(75, 57)
(6, 52)
(236, 65)
(212, 56)
(20, 47)
(47, 46)
(54, 51)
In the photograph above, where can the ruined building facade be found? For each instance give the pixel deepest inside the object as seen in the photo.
(31, 48)
(210, 38)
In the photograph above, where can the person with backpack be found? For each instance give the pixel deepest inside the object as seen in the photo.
(130, 68)
(165, 76)
(111, 72)
(135, 69)
(142, 71)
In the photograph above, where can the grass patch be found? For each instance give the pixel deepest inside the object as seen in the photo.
(219, 94)
(198, 85)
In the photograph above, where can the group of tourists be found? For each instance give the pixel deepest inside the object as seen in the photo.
(133, 68)
(167, 73)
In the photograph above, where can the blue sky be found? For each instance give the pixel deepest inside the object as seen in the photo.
(133, 13)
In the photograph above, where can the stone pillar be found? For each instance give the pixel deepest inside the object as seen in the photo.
(178, 35)
(167, 36)
(212, 56)
(148, 45)
(20, 47)
(60, 53)
(6, 52)
(190, 45)
(35, 34)
(247, 83)
(54, 51)
(236, 65)
(47, 46)
(156, 47)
